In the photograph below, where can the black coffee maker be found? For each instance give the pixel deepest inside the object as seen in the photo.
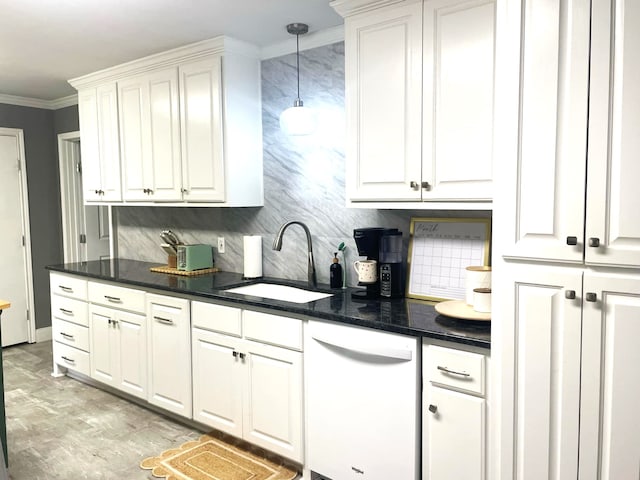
(370, 243)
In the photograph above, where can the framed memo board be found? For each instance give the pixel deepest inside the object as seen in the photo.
(440, 249)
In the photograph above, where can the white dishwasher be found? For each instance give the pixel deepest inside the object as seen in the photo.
(363, 397)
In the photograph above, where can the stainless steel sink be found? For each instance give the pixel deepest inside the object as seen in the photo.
(280, 292)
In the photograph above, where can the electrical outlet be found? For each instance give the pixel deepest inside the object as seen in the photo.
(220, 244)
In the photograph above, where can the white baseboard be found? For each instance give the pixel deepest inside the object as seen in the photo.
(43, 334)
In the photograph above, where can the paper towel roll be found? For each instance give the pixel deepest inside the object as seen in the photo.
(252, 256)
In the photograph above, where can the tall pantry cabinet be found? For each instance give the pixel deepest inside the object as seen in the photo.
(567, 239)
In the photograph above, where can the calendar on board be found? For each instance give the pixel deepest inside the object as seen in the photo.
(440, 249)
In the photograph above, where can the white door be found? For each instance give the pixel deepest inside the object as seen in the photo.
(612, 226)
(610, 387)
(383, 73)
(15, 261)
(103, 345)
(132, 353)
(85, 229)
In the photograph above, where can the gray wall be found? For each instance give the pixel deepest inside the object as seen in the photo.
(44, 196)
(303, 180)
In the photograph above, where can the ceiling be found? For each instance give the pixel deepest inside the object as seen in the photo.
(43, 43)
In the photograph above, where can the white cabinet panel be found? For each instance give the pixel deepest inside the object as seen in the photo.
(383, 78)
(201, 128)
(457, 155)
(169, 348)
(613, 195)
(454, 445)
(609, 415)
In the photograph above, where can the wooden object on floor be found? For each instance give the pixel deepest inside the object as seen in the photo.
(175, 271)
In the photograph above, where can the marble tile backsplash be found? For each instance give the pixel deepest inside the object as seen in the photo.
(304, 180)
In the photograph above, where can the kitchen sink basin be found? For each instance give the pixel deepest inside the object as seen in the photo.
(280, 292)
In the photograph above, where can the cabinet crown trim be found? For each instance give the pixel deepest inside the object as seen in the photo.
(214, 46)
(348, 8)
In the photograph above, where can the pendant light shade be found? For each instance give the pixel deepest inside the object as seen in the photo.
(298, 120)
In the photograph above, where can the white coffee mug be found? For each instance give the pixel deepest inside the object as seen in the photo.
(367, 270)
(476, 277)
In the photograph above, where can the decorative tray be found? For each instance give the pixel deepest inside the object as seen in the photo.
(175, 271)
(460, 309)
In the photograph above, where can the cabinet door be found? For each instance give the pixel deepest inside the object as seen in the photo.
(108, 140)
(546, 182)
(457, 155)
(217, 381)
(201, 123)
(150, 136)
(104, 345)
(546, 339)
(89, 147)
(613, 195)
(272, 411)
(132, 353)
(169, 354)
(383, 74)
(610, 387)
(454, 437)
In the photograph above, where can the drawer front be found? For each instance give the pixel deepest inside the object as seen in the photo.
(69, 309)
(217, 318)
(71, 334)
(272, 329)
(68, 286)
(455, 368)
(118, 297)
(71, 358)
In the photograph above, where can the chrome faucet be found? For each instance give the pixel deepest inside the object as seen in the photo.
(277, 245)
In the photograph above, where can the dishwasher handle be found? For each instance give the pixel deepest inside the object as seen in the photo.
(366, 349)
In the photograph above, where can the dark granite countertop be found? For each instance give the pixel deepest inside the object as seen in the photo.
(405, 316)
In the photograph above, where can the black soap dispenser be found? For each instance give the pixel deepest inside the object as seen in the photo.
(335, 272)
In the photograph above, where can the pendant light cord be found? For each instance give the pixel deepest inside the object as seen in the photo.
(298, 62)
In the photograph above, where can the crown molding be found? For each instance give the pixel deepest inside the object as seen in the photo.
(347, 8)
(38, 102)
(320, 38)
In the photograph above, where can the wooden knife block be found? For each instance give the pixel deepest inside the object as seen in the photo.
(172, 261)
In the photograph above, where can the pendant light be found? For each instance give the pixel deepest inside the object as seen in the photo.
(298, 120)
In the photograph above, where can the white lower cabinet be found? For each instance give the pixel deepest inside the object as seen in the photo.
(169, 347)
(454, 414)
(250, 388)
(119, 349)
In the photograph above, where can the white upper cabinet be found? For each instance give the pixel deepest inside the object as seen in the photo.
(579, 135)
(186, 123)
(98, 116)
(201, 120)
(613, 197)
(419, 101)
(150, 136)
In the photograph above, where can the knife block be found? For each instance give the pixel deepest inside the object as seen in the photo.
(172, 261)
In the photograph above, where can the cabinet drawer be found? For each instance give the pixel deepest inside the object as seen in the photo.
(71, 334)
(71, 358)
(272, 329)
(68, 286)
(115, 296)
(217, 318)
(455, 368)
(70, 310)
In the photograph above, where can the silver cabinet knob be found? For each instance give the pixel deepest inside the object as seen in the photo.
(414, 185)
(594, 242)
(425, 185)
(591, 297)
(433, 408)
(572, 240)
(570, 294)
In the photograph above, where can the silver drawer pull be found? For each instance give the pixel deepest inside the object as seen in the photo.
(66, 312)
(166, 321)
(113, 299)
(70, 360)
(453, 372)
(66, 335)
(65, 289)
